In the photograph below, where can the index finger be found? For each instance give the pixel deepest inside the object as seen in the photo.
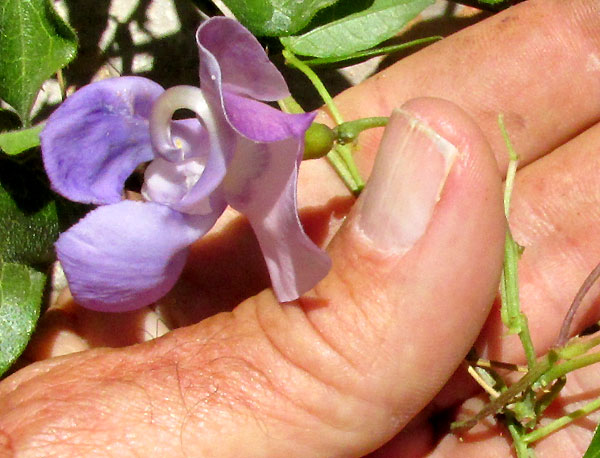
(538, 63)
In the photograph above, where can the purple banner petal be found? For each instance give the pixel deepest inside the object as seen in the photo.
(97, 137)
(232, 55)
(295, 263)
(261, 183)
(124, 256)
(260, 122)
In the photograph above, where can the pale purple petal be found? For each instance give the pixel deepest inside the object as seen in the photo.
(177, 185)
(215, 151)
(168, 182)
(230, 55)
(164, 138)
(192, 137)
(261, 183)
(295, 263)
(124, 256)
(261, 122)
(97, 137)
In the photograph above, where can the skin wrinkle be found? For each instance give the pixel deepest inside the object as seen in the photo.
(231, 404)
(344, 284)
(188, 411)
(346, 429)
(333, 277)
(196, 414)
(280, 415)
(347, 292)
(141, 406)
(287, 357)
(580, 16)
(108, 406)
(6, 441)
(221, 394)
(533, 219)
(320, 335)
(246, 361)
(537, 219)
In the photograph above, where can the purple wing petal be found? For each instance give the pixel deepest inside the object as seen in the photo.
(124, 256)
(261, 183)
(260, 122)
(243, 68)
(97, 137)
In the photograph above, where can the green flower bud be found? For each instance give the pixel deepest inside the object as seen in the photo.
(318, 141)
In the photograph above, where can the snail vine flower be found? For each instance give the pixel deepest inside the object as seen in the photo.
(237, 151)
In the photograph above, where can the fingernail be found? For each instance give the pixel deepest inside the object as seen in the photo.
(406, 183)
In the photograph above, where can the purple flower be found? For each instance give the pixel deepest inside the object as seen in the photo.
(237, 151)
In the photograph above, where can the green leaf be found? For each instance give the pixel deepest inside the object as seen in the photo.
(593, 450)
(21, 290)
(34, 44)
(358, 31)
(31, 215)
(17, 141)
(275, 17)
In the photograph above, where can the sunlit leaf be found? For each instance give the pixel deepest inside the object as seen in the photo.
(275, 17)
(17, 141)
(34, 44)
(358, 31)
(21, 290)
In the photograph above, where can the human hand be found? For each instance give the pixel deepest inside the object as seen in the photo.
(341, 371)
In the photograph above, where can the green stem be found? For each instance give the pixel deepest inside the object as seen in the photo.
(342, 170)
(564, 368)
(521, 447)
(289, 105)
(61, 84)
(578, 347)
(317, 83)
(345, 152)
(526, 341)
(370, 52)
(512, 315)
(549, 397)
(348, 132)
(561, 422)
(510, 286)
